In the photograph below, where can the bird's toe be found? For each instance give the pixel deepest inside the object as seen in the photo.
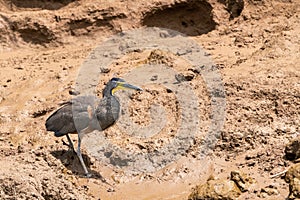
(88, 175)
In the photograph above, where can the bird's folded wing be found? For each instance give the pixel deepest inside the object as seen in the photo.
(73, 116)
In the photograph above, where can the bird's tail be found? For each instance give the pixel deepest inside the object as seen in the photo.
(57, 122)
(59, 134)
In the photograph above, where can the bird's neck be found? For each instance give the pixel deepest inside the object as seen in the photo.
(107, 92)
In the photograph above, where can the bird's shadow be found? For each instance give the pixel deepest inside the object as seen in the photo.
(70, 160)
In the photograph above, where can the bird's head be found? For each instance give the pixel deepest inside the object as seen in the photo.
(116, 84)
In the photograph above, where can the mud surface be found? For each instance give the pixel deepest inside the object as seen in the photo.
(254, 45)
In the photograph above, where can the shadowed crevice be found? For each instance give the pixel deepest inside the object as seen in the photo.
(40, 4)
(191, 18)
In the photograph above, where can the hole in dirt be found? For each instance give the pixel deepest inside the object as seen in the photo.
(191, 18)
(36, 34)
(41, 4)
(234, 7)
(85, 26)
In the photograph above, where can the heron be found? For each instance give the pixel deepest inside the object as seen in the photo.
(84, 114)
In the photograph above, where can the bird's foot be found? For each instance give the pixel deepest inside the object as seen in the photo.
(88, 175)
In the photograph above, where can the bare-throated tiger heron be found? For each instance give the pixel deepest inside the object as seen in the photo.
(85, 114)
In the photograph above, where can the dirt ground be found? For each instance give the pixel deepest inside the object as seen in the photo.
(255, 45)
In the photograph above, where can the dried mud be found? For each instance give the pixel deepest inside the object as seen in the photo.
(254, 45)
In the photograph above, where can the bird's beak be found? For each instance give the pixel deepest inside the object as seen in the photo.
(129, 86)
(122, 86)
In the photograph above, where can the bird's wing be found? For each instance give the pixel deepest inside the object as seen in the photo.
(72, 117)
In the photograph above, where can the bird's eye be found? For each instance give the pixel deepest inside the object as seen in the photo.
(114, 79)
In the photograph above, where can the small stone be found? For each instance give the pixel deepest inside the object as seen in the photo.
(21, 149)
(74, 92)
(216, 189)
(270, 191)
(169, 90)
(184, 77)
(243, 181)
(251, 163)
(262, 195)
(239, 135)
(153, 78)
(110, 190)
(292, 149)
(104, 70)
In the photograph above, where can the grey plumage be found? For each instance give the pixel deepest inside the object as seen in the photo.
(84, 114)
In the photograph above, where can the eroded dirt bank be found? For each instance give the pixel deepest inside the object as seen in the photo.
(254, 44)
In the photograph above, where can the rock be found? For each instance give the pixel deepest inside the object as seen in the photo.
(154, 78)
(293, 178)
(269, 190)
(104, 70)
(292, 149)
(243, 181)
(216, 189)
(184, 77)
(74, 92)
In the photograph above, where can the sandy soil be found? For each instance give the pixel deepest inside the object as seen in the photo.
(43, 44)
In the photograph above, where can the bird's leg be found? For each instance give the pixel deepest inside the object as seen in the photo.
(80, 157)
(71, 146)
